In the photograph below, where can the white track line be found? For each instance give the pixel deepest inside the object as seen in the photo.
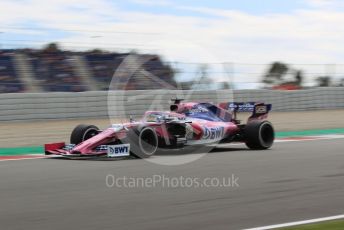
(26, 158)
(312, 138)
(298, 223)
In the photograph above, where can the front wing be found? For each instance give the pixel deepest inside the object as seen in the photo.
(61, 149)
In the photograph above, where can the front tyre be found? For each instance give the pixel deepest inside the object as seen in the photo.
(259, 135)
(143, 143)
(83, 132)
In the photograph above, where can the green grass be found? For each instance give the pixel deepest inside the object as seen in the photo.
(331, 225)
(21, 151)
(310, 133)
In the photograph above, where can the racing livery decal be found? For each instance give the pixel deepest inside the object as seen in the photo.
(118, 150)
(213, 133)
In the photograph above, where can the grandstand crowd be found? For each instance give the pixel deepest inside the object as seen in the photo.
(53, 70)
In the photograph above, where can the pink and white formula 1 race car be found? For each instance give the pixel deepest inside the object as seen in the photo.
(185, 125)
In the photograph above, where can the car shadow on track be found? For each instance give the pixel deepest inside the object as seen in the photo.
(202, 150)
(169, 152)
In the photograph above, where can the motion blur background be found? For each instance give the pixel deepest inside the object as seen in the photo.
(52, 69)
(77, 45)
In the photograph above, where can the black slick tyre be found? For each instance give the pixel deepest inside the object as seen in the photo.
(83, 132)
(259, 135)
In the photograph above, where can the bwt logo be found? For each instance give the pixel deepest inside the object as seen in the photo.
(213, 133)
(118, 150)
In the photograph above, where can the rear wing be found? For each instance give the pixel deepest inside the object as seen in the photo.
(258, 109)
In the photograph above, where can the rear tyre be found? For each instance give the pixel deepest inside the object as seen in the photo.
(83, 132)
(143, 143)
(259, 135)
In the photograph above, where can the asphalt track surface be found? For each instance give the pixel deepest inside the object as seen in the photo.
(293, 181)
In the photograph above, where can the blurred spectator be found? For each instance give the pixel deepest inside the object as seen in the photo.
(153, 74)
(54, 69)
(9, 81)
(103, 66)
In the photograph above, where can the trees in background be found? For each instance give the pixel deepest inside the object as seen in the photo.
(341, 84)
(51, 48)
(282, 76)
(327, 81)
(324, 81)
(278, 74)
